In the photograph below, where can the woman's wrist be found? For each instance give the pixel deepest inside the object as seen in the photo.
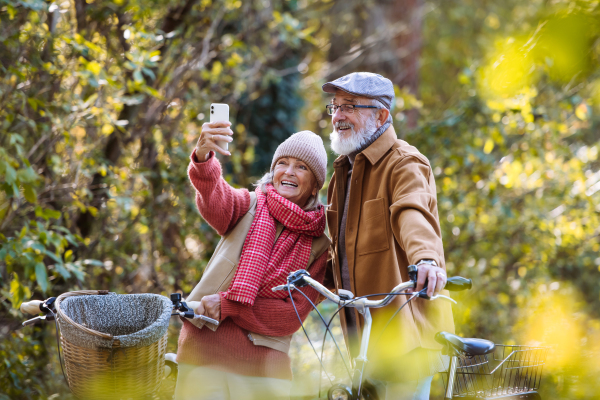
(200, 155)
(200, 158)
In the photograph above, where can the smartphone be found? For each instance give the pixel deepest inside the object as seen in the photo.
(220, 112)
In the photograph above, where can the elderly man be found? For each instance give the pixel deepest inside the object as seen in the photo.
(383, 218)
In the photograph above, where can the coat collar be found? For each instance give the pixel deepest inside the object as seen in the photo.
(375, 151)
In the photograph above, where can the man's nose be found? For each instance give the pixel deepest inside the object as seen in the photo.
(338, 115)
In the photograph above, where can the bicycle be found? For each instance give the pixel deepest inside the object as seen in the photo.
(119, 376)
(469, 376)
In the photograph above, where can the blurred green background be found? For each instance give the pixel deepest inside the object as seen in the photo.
(101, 104)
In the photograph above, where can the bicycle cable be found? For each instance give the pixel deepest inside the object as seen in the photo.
(58, 348)
(325, 338)
(424, 290)
(327, 325)
(306, 334)
(344, 306)
(327, 329)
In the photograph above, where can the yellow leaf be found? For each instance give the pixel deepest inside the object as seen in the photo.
(217, 69)
(78, 132)
(582, 111)
(94, 67)
(489, 146)
(107, 129)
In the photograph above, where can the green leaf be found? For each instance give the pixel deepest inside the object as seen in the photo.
(137, 75)
(62, 271)
(149, 73)
(32, 103)
(10, 174)
(97, 263)
(30, 194)
(48, 213)
(76, 270)
(16, 138)
(27, 175)
(40, 248)
(53, 256)
(41, 275)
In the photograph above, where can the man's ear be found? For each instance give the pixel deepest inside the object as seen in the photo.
(384, 113)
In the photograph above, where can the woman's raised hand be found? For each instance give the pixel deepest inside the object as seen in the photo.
(212, 133)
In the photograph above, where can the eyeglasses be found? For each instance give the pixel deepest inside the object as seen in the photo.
(346, 108)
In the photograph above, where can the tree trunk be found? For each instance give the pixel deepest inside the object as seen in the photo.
(389, 42)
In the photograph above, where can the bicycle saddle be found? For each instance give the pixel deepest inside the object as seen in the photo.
(471, 347)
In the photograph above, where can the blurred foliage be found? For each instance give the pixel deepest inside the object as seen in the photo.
(101, 103)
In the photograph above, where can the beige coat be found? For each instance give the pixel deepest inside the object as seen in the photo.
(392, 222)
(223, 264)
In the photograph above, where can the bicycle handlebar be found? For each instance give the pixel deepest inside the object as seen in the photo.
(360, 302)
(46, 307)
(302, 278)
(32, 307)
(458, 283)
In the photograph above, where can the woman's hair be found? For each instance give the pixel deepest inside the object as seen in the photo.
(311, 204)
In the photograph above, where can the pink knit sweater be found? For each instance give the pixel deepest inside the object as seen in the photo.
(230, 348)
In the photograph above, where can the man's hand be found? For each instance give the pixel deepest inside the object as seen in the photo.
(211, 133)
(210, 306)
(436, 278)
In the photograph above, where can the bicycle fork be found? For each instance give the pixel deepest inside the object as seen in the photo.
(360, 362)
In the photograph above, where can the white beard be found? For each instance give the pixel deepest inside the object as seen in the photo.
(356, 139)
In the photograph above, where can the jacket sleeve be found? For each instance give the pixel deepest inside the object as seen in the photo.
(219, 204)
(413, 212)
(275, 317)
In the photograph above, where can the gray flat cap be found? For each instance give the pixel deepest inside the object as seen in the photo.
(365, 84)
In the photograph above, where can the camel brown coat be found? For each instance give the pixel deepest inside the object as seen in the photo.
(392, 222)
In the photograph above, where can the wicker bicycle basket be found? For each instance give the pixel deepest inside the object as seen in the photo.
(113, 345)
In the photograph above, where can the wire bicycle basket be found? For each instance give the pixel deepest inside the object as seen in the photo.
(113, 345)
(509, 370)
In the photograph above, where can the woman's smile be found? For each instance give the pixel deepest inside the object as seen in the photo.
(293, 180)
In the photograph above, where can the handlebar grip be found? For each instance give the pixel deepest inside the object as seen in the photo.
(193, 305)
(458, 283)
(31, 307)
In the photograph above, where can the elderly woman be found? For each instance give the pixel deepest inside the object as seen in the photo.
(246, 356)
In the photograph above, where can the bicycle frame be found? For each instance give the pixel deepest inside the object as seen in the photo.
(363, 306)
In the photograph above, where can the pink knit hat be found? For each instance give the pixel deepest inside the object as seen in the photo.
(308, 147)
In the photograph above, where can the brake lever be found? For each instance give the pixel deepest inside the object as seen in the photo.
(438, 296)
(206, 319)
(35, 320)
(280, 287)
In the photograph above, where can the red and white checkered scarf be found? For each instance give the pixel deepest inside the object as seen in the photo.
(265, 263)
